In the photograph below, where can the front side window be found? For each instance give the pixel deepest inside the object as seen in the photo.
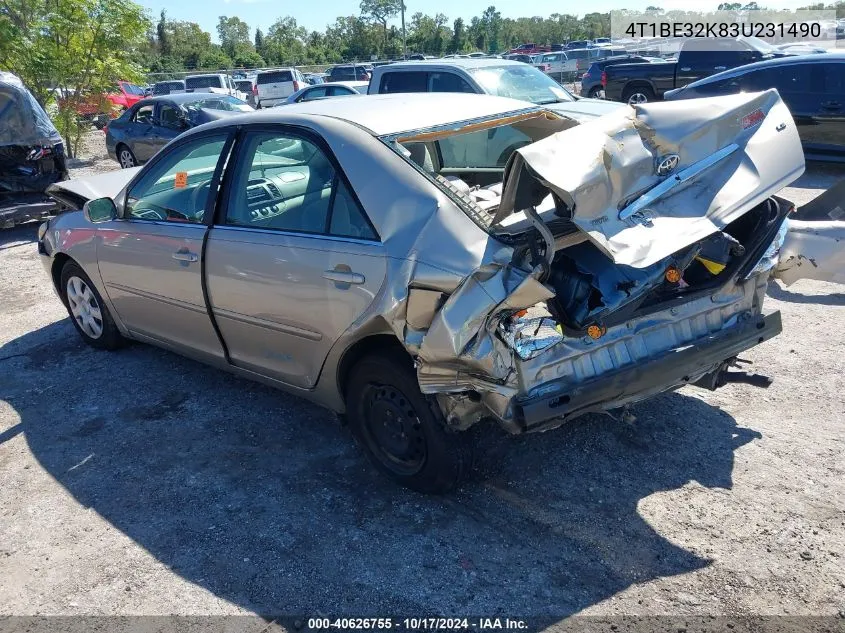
(287, 183)
(448, 82)
(175, 188)
(144, 114)
(170, 116)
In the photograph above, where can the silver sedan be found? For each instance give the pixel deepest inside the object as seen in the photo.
(420, 263)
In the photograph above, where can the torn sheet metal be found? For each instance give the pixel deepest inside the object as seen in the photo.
(813, 250)
(648, 181)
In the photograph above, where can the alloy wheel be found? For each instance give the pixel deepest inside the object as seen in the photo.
(636, 98)
(84, 307)
(126, 159)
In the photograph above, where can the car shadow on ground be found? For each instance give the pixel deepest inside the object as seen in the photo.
(264, 500)
(775, 291)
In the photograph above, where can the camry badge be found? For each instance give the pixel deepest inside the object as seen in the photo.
(668, 165)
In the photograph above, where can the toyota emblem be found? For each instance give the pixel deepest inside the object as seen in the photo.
(668, 165)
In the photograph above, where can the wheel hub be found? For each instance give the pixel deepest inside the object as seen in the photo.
(396, 430)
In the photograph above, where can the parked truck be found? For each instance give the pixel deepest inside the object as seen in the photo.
(698, 58)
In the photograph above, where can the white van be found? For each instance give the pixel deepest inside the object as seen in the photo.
(216, 83)
(275, 86)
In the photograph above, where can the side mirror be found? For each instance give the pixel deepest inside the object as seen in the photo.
(99, 210)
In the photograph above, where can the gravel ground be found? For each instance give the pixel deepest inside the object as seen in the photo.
(139, 482)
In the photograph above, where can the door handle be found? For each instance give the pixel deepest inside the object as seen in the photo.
(344, 276)
(831, 105)
(685, 69)
(719, 67)
(185, 256)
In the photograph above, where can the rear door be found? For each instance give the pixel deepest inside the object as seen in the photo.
(292, 260)
(800, 87)
(150, 259)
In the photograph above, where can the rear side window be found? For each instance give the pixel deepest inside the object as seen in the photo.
(409, 81)
(275, 77)
(204, 82)
(788, 79)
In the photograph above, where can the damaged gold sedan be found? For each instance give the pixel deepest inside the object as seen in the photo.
(423, 263)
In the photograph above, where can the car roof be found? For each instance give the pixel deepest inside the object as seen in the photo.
(392, 113)
(184, 97)
(459, 62)
(273, 70)
(813, 58)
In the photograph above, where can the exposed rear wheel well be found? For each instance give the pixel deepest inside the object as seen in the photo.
(365, 347)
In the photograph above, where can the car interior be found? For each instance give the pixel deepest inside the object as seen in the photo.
(472, 163)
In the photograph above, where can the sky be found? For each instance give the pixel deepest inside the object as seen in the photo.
(316, 15)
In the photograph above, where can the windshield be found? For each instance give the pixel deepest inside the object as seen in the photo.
(223, 102)
(520, 82)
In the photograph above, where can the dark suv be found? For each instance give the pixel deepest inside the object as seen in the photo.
(351, 72)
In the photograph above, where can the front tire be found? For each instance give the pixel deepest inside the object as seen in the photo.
(402, 431)
(638, 95)
(87, 310)
(125, 157)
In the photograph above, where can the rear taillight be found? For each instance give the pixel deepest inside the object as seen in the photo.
(604, 79)
(295, 86)
(255, 89)
(105, 129)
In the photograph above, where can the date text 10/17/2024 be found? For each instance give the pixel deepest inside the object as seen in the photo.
(416, 624)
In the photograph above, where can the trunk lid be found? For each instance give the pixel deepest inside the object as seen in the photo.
(644, 182)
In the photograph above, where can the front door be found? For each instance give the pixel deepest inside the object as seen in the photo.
(151, 258)
(169, 123)
(293, 262)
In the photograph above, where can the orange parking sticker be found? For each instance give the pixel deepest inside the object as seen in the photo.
(181, 180)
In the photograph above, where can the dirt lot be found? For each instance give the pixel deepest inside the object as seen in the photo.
(138, 482)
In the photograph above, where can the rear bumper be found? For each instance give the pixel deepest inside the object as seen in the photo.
(269, 103)
(676, 368)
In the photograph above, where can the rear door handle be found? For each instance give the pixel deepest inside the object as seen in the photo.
(832, 105)
(719, 67)
(185, 256)
(685, 69)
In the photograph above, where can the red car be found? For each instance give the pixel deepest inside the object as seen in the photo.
(529, 49)
(102, 107)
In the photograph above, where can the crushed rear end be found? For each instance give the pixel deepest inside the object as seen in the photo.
(642, 244)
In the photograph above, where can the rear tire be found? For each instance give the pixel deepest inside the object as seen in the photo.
(125, 157)
(595, 93)
(638, 95)
(403, 431)
(87, 310)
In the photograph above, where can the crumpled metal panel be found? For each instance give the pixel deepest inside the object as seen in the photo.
(737, 151)
(813, 250)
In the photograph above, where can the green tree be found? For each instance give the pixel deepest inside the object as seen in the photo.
(82, 47)
(259, 41)
(233, 33)
(381, 11)
(459, 37)
(491, 21)
(215, 58)
(161, 34)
